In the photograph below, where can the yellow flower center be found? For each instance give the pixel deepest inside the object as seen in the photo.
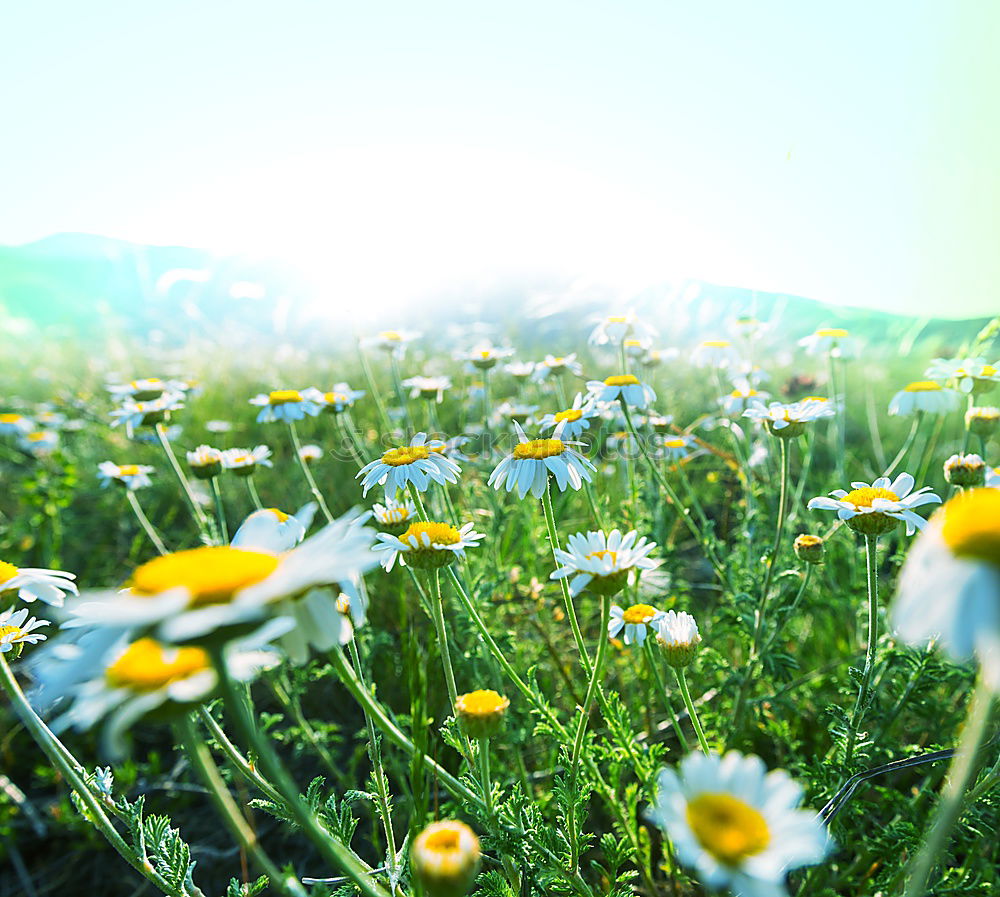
(984, 414)
(560, 360)
(832, 332)
(147, 665)
(808, 539)
(145, 384)
(617, 319)
(815, 399)
(862, 498)
(391, 335)
(284, 396)
(407, 454)
(7, 572)
(242, 459)
(742, 394)
(674, 443)
(484, 702)
(639, 613)
(281, 515)
(439, 533)
(16, 631)
(212, 574)
(603, 553)
(923, 386)
(538, 449)
(485, 353)
(335, 398)
(396, 515)
(442, 841)
(128, 470)
(37, 436)
(10, 418)
(633, 344)
(716, 344)
(570, 414)
(971, 525)
(727, 827)
(621, 380)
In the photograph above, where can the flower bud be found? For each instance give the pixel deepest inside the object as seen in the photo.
(983, 420)
(481, 713)
(965, 470)
(678, 637)
(445, 858)
(809, 548)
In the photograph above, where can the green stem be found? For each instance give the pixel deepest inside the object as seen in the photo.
(199, 515)
(962, 770)
(147, 527)
(772, 561)
(871, 559)
(307, 473)
(383, 414)
(437, 606)
(648, 650)
(907, 444)
(220, 510)
(415, 495)
(550, 526)
(71, 771)
(400, 393)
(293, 706)
(239, 762)
(686, 694)
(335, 852)
(380, 718)
(203, 764)
(581, 728)
(252, 489)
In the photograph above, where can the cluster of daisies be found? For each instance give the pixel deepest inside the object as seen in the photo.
(273, 592)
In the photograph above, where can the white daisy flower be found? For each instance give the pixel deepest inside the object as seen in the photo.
(528, 467)
(274, 531)
(218, 426)
(205, 462)
(877, 508)
(677, 637)
(310, 452)
(394, 516)
(340, 398)
(741, 397)
(949, 587)
(970, 375)
(133, 476)
(431, 388)
(427, 546)
(39, 442)
(244, 462)
(193, 594)
(603, 562)
(637, 621)
(135, 414)
(15, 424)
(625, 387)
(735, 824)
(715, 353)
(286, 405)
(636, 348)
(516, 412)
(659, 423)
(982, 420)
(993, 477)
(36, 583)
(923, 395)
(655, 357)
(965, 470)
(17, 630)
(392, 341)
(520, 370)
(554, 365)
(615, 328)
(123, 680)
(574, 420)
(789, 420)
(834, 341)
(420, 462)
(146, 389)
(674, 447)
(484, 356)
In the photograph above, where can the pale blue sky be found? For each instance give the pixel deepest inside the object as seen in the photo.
(841, 151)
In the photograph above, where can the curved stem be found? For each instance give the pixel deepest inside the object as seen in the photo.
(201, 521)
(550, 526)
(581, 728)
(334, 851)
(241, 764)
(648, 650)
(907, 444)
(963, 768)
(686, 694)
(71, 771)
(220, 510)
(866, 676)
(307, 473)
(252, 489)
(147, 527)
(437, 606)
(203, 764)
(772, 561)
